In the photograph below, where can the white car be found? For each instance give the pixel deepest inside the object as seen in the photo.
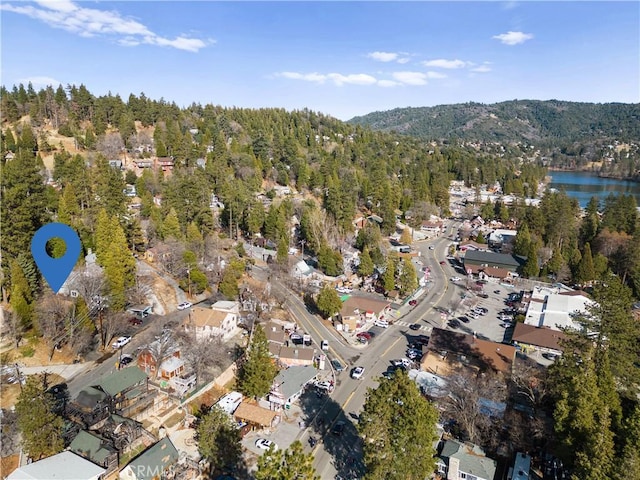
(184, 305)
(324, 345)
(381, 323)
(357, 373)
(120, 342)
(455, 279)
(264, 444)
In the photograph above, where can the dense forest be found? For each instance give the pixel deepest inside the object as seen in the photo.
(565, 134)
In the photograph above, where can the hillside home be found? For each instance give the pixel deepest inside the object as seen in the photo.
(170, 366)
(63, 466)
(96, 449)
(154, 463)
(296, 356)
(221, 320)
(289, 385)
(432, 229)
(464, 461)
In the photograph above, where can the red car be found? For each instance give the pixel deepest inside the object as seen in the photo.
(443, 262)
(413, 303)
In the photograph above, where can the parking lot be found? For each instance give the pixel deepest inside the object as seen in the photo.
(487, 326)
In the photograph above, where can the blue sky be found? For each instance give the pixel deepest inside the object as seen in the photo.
(340, 58)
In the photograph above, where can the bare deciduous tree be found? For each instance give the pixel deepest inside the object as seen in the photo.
(110, 324)
(110, 145)
(203, 355)
(53, 315)
(529, 381)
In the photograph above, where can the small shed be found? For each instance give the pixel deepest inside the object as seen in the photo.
(255, 416)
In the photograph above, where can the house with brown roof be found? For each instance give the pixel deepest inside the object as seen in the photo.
(275, 333)
(358, 310)
(448, 351)
(544, 339)
(255, 416)
(171, 364)
(221, 320)
(296, 356)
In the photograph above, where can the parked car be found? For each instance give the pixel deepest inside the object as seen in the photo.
(454, 323)
(184, 305)
(135, 321)
(455, 279)
(126, 360)
(483, 295)
(381, 323)
(264, 444)
(413, 303)
(464, 319)
(497, 292)
(357, 373)
(121, 342)
(337, 366)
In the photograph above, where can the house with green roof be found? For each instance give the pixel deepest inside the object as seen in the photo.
(153, 463)
(464, 461)
(96, 449)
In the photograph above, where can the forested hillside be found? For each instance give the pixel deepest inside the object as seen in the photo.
(571, 134)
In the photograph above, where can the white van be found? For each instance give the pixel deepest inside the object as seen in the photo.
(381, 323)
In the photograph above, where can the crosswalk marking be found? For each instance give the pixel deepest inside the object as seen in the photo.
(406, 324)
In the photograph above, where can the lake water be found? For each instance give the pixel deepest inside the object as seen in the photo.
(584, 185)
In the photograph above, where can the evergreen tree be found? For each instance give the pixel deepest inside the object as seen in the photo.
(405, 238)
(282, 253)
(289, 464)
(531, 267)
(257, 371)
(171, 226)
(228, 286)
(109, 186)
(22, 301)
(328, 301)
(41, 428)
(219, 439)
(522, 241)
(397, 426)
(629, 466)
(365, 267)
(586, 271)
(195, 240)
(407, 280)
(480, 238)
(119, 266)
(103, 233)
(389, 275)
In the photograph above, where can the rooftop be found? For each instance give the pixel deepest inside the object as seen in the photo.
(471, 457)
(121, 380)
(154, 460)
(206, 317)
(538, 336)
(92, 447)
(64, 466)
(291, 380)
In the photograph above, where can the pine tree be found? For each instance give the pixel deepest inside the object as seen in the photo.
(282, 252)
(257, 371)
(397, 426)
(102, 235)
(219, 439)
(171, 226)
(405, 238)
(289, 464)
(586, 271)
(407, 280)
(328, 301)
(365, 267)
(389, 275)
(119, 266)
(41, 428)
(21, 296)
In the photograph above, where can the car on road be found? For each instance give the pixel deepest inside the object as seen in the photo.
(324, 345)
(483, 295)
(414, 326)
(121, 342)
(337, 366)
(357, 373)
(497, 292)
(455, 279)
(454, 323)
(338, 428)
(442, 262)
(126, 360)
(431, 247)
(184, 305)
(413, 303)
(264, 444)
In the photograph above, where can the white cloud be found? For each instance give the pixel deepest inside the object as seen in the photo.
(435, 75)
(337, 78)
(481, 69)
(444, 63)
(410, 78)
(90, 22)
(40, 81)
(388, 57)
(388, 83)
(383, 56)
(513, 38)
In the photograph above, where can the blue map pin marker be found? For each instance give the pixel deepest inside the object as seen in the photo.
(55, 270)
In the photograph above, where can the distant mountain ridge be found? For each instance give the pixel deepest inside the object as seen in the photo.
(550, 122)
